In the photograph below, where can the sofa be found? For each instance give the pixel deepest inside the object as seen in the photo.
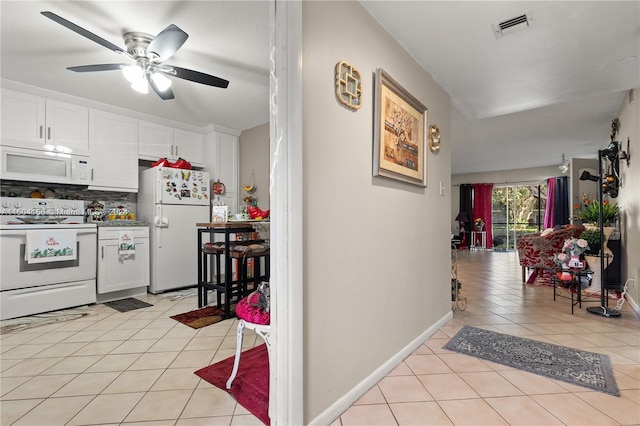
(535, 251)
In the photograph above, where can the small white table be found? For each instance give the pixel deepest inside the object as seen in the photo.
(482, 236)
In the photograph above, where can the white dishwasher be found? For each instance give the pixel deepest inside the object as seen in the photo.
(123, 262)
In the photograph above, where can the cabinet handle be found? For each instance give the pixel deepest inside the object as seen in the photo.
(102, 252)
(176, 150)
(49, 133)
(92, 181)
(41, 131)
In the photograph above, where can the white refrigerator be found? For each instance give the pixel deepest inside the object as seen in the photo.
(173, 201)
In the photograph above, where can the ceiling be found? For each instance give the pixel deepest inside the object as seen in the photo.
(519, 101)
(226, 39)
(526, 98)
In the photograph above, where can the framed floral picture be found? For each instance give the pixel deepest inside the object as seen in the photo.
(399, 134)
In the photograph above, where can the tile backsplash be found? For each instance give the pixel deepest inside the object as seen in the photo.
(109, 198)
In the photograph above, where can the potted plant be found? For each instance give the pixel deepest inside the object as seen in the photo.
(592, 236)
(588, 210)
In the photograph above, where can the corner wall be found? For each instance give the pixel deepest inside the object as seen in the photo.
(254, 158)
(376, 251)
(629, 198)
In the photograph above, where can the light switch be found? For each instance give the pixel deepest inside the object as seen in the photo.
(442, 188)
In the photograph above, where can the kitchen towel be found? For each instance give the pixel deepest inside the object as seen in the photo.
(126, 243)
(51, 245)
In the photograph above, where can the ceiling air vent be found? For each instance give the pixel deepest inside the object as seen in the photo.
(513, 25)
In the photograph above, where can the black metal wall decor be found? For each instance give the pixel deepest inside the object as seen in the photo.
(609, 179)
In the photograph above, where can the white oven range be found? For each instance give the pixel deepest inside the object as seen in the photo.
(35, 278)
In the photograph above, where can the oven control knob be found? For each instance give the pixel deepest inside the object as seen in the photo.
(17, 205)
(6, 205)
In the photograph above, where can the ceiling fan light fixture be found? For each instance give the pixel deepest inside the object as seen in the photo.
(162, 83)
(140, 86)
(133, 73)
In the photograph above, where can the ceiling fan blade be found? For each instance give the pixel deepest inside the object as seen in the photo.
(164, 95)
(167, 42)
(100, 67)
(91, 36)
(197, 76)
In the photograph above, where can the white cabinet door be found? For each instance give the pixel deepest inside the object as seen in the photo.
(228, 161)
(23, 122)
(115, 272)
(189, 145)
(31, 121)
(67, 125)
(155, 141)
(113, 142)
(226, 169)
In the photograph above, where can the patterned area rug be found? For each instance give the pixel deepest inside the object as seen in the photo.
(200, 317)
(128, 304)
(587, 369)
(23, 323)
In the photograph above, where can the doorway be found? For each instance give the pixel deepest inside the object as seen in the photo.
(517, 210)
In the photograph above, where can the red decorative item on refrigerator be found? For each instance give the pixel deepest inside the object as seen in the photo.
(181, 163)
(162, 162)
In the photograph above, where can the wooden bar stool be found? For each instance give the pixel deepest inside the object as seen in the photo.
(250, 257)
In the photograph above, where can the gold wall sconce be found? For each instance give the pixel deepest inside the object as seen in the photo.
(433, 137)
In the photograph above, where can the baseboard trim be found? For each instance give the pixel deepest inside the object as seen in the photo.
(347, 400)
(634, 304)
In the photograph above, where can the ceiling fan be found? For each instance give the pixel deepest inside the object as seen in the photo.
(148, 53)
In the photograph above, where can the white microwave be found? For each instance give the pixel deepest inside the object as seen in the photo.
(44, 166)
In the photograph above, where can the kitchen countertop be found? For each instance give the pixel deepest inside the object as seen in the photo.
(120, 223)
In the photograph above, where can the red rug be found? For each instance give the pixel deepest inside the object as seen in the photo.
(200, 317)
(250, 388)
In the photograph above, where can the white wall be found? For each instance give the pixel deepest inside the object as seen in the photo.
(376, 251)
(254, 157)
(629, 198)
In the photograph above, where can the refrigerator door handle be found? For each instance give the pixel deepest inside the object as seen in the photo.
(158, 225)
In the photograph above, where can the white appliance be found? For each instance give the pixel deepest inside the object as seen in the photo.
(173, 201)
(28, 287)
(44, 166)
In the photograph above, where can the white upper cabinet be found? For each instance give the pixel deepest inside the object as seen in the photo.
(155, 141)
(189, 145)
(158, 141)
(31, 121)
(221, 161)
(113, 142)
(228, 147)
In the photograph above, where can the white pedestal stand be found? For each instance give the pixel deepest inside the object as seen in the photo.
(594, 265)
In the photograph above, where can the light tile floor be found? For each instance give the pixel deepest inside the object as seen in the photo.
(434, 386)
(137, 367)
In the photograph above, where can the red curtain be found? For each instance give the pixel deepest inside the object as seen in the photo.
(482, 208)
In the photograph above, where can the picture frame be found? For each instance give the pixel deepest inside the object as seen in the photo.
(399, 134)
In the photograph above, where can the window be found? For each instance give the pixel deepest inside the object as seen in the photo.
(517, 210)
